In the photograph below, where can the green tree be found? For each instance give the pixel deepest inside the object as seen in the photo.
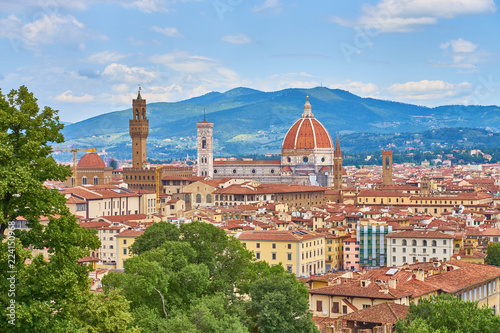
(280, 303)
(446, 313)
(154, 236)
(44, 290)
(493, 254)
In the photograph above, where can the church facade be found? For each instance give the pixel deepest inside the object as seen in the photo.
(308, 157)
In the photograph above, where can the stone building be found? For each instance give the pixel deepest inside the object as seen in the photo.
(91, 171)
(142, 175)
(308, 156)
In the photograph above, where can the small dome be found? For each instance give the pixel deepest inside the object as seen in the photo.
(91, 160)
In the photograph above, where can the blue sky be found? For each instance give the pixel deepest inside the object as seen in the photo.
(86, 57)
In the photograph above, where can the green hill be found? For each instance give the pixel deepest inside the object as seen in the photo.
(250, 121)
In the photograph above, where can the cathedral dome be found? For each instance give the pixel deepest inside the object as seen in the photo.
(307, 133)
(91, 160)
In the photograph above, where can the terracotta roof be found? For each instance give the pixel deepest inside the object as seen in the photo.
(94, 224)
(385, 313)
(91, 160)
(130, 233)
(468, 275)
(307, 133)
(278, 235)
(74, 200)
(123, 218)
(355, 289)
(419, 234)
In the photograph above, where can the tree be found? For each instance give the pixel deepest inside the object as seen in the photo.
(280, 303)
(154, 236)
(44, 290)
(493, 254)
(446, 313)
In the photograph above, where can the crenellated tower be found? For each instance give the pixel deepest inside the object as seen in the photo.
(139, 131)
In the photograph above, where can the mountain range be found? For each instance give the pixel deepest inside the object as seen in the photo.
(248, 121)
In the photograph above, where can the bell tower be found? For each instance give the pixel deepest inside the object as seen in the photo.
(139, 131)
(337, 166)
(386, 167)
(205, 134)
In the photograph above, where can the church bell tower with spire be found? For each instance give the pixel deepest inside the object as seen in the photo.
(139, 131)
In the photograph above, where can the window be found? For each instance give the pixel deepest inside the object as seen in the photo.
(289, 256)
(111, 247)
(393, 259)
(434, 243)
(414, 242)
(273, 256)
(124, 241)
(444, 241)
(404, 242)
(414, 250)
(335, 307)
(404, 260)
(433, 250)
(424, 243)
(289, 246)
(444, 250)
(404, 249)
(209, 198)
(393, 249)
(257, 245)
(365, 306)
(198, 198)
(344, 309)
(394, 241)
(319, 305)
(289, 268)
(125, 251)
(257, 255)
(274, 245)
(84, 180)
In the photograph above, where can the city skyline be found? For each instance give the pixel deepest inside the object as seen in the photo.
(86, 58)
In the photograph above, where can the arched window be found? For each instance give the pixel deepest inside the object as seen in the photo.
(136, 113)
(434, 243)
(198, 198)
(96, 180)
(84, 180)
(424, 243)
(209, 198)
(204, 144)
(72, 182)
(188, 198)
(414, 242)
(404, 242)
(143, 113)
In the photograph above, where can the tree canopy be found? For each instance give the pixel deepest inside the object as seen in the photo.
(45, 291)
(205, 281)
(493, 254)
(448, 314)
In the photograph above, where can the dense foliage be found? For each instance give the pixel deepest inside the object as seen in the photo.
(448, 314)
(205, 281)
(493, 254)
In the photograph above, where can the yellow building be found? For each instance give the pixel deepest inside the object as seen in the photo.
(123, 241)
(333, 251)
(300, 252)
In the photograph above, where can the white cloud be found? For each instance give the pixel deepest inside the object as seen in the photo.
(358, 88)
(429, 90)
(409, 15)
(68, 97)
(237, 39)
(169, 32)
(274, 6)
(47, 29)
(105, 57)
(124, 74)
(460, 46)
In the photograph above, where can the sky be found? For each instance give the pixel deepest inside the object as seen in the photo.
(86, 57)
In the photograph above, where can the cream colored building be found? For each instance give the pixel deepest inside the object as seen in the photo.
(422, 246)
(123, 241)
(300, 252)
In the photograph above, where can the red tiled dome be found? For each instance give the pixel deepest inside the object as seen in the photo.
(307, 133)
(91, 160)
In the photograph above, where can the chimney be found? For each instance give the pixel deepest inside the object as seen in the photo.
(420, 275)
(392, 283)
